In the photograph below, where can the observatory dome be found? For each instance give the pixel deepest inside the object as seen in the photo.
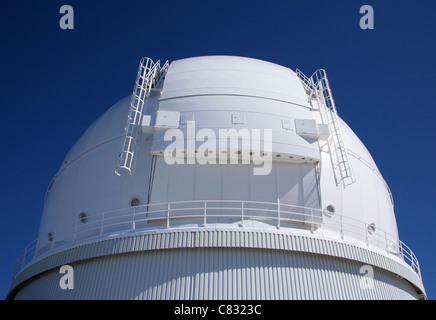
(220, 177)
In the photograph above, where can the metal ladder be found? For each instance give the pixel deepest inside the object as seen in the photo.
(150, 75)
(318, 88)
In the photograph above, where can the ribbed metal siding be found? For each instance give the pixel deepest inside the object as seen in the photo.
(217, 273)
(207, 238)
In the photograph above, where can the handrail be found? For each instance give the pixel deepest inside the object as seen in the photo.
(149, 74)
(318, 87)
(203, 212)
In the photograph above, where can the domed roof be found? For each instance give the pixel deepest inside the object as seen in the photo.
(301, 195)
(110, 125)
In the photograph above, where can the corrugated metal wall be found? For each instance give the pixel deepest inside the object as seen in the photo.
(217, 273)
(210, 237)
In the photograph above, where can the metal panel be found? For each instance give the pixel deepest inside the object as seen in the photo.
(218, 273)
(163, 245)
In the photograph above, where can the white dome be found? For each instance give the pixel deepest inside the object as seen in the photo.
(301, 195)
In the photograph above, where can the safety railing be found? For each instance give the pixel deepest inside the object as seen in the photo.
(201, 213)
(150, 74)
(307, 82)
(318, 87)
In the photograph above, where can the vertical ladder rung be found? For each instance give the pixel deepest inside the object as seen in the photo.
(318, 82)
(149, 74)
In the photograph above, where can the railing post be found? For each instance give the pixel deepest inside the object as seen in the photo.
(102, 223)
(35, 255)
(342, 227)
(312, 227)
(366, 235)
(75, 231)
(205, 214)
(168, 216)
(386, 241)
(35, 251)
(278, 213)
(400, 250)
(242, 213)
(133, 219)
(52, 239)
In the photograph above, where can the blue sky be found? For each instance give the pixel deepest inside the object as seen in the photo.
(55, 83)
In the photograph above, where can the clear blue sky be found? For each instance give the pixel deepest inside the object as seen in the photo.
(54, 83)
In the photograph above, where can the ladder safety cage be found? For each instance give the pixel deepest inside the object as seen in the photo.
(150, 76)
(307, 83)
(318, 88)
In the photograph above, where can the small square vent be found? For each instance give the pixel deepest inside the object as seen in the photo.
(306, 128)
(167, 119)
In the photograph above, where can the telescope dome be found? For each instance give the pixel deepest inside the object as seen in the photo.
(220, 177)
